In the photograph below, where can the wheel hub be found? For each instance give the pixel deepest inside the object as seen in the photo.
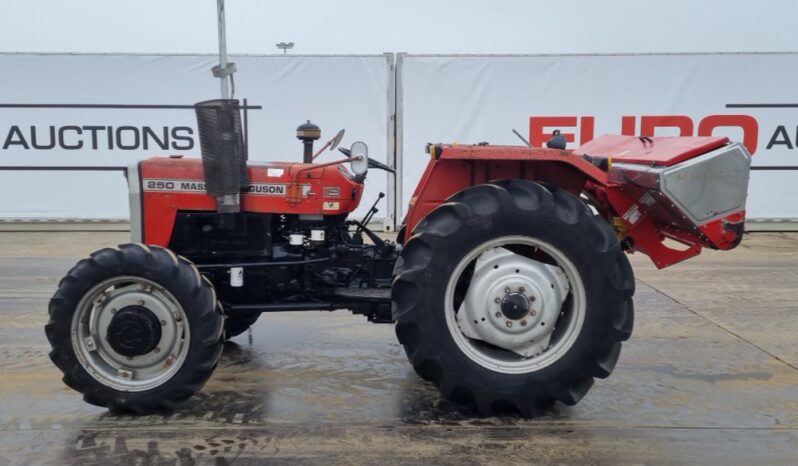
(513, 302)
(134, 331)
(130, 333)
(514, 306)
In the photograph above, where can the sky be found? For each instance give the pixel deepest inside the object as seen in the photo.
(413, 26)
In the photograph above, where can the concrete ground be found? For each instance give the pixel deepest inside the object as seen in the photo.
(710, 376)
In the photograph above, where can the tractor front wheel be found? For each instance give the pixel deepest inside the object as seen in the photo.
(510, 297)
(135, 329)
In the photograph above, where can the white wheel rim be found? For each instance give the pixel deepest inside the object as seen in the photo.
(130, 374)
(504, 351)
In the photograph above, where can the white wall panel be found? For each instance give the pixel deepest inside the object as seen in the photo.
(333, 91)
(468, 99)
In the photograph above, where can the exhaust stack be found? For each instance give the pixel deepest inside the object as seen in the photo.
(224, 159)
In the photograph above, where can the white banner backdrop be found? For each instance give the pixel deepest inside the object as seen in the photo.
(108, 110)
(468, 99)
(59, 110)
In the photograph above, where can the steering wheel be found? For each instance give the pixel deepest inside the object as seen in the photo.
(372, 163)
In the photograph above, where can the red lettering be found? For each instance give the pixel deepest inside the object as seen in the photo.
(628, 126)
(748, 124)
(648, 124)
(587, 126)
(538, 125)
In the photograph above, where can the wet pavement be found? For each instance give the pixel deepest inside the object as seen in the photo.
(710, 376)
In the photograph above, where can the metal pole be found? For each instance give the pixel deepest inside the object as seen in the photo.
(399, 135)
(390, 216)
(222, 49)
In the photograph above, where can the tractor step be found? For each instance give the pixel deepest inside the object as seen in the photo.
(365, 294)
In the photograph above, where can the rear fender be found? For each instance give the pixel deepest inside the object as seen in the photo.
(452, 169)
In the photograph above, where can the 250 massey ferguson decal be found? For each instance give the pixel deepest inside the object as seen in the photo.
(198, 186)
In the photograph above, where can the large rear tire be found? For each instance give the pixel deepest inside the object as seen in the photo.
(510, 297)
(135, 329)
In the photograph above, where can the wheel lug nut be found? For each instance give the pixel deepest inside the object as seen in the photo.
(521, 290)
(141, 302)
(157, 350)
(163, 323)
(507, 290)
(532, 312)
(497, 300)
(113, 310)
(498, 314)
(523, 322)
(509, 324)
(532, 298)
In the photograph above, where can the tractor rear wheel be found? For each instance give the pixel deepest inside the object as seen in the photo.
(511, 296)
(135, 329)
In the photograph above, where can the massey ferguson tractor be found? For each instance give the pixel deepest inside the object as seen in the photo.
(508, 283)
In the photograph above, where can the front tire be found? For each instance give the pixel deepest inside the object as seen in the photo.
(135, 329)
(510, 297)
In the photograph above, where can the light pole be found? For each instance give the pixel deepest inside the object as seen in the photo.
(285, 46)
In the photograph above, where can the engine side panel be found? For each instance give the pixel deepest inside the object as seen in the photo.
(169, 185)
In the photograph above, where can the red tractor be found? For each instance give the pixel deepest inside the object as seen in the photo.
(508, 283)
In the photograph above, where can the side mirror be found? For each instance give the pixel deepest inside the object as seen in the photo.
(359, 153)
